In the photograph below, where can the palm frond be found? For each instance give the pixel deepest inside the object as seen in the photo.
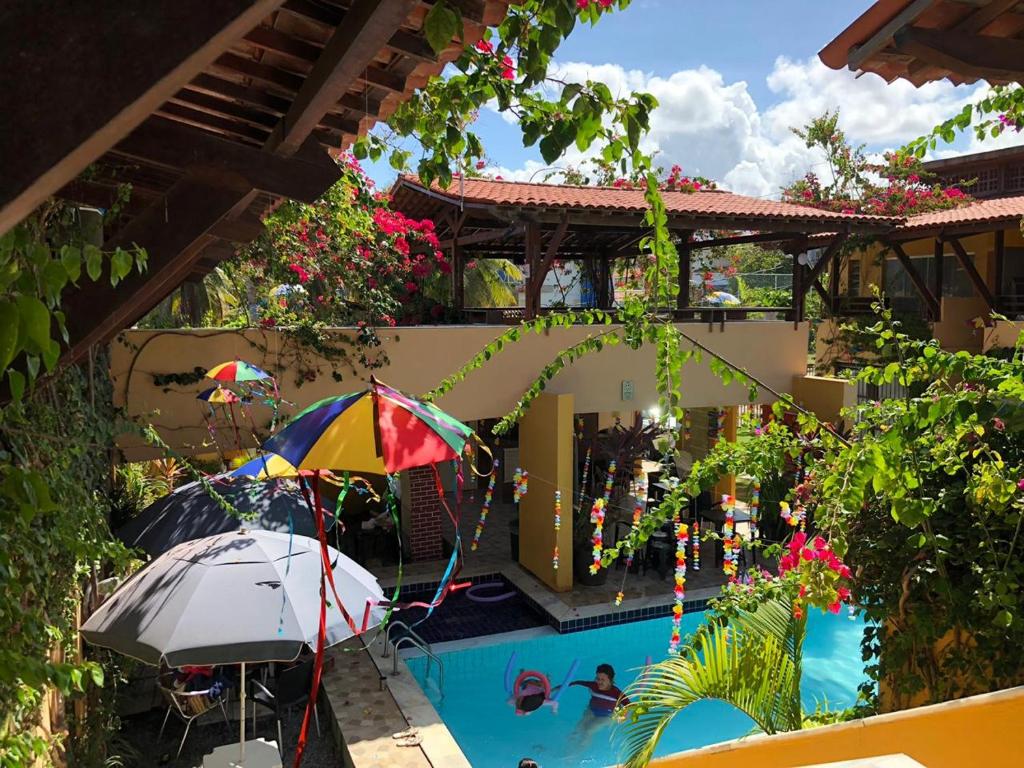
(749, 664)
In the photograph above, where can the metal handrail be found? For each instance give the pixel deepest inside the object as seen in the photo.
(426, 652)
(408, 630)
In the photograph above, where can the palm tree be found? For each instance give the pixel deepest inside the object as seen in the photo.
(489, 283)
(753, 661)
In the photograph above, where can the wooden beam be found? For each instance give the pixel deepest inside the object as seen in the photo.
(368, 26)
(757, 237)
(986, 56)
(62, 114)
(382, 78)
(999, 256)
(938, 259)
(304, 176)
(484, 236)
(173, 231)
(240, 230)
(604, 279)
(685, 267)
(923, 290)
(825, 298)
(861, 53)
(984, 16)
(833, 281)
(533, 260)
(972, 272)
(819, 267)
(556, 240)
(471, 10)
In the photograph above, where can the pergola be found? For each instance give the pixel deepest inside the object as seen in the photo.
(536, 224)
(926, 40)
(211, 110)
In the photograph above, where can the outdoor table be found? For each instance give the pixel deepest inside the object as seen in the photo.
(259, 753)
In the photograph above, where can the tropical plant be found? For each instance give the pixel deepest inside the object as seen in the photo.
(1001, 108)
(749, 656)
(489, 281)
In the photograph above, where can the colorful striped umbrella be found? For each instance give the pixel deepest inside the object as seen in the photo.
(376, 431)
(218, 396)
(237, 370)
(264, 467)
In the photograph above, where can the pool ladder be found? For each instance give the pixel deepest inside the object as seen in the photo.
(413, 639)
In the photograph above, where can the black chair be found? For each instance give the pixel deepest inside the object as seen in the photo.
(290, 689)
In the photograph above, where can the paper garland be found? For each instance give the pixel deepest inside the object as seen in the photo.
(488, 495)
(730, 541)
(520, 484)
(687, 426)
(696, 545)
(682, 538)
(597, 515)
(755, 508)
(558, 526)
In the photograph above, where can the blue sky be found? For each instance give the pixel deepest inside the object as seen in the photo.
(732, 76)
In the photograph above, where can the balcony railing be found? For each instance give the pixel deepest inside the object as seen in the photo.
(514, 315)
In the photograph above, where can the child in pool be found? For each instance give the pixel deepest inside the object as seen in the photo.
(604, 695)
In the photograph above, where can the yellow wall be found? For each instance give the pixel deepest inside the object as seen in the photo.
(1003, 334)
(976, 731)
(824, 395)
(422, 357)
(545, 451)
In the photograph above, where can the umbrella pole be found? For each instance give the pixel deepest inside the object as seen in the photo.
(241, 719)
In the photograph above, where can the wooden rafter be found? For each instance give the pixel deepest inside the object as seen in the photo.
(826, 258)
(987, 56)
(972, 272)
(304, 176)
(934, 308)
(85, 111)
(368, 26)
(174, 230)
(884, 36)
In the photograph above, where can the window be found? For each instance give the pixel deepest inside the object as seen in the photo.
(987, 182)
(1014, 178)
(853, 278)
(955, 282)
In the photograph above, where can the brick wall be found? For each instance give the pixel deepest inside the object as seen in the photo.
(425, 515)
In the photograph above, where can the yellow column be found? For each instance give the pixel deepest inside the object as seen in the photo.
(727, 485)
(545, 452)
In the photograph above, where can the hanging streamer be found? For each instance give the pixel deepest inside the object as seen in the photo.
(597, 515)
(679, 592)
(558, 526)
(583, 482)
(755, 508)
(687, 427)
(696, 545)
(729, 540)
(488, 496)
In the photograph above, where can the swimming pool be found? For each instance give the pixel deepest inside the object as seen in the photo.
(490, 734)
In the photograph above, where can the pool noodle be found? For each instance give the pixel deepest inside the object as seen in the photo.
(565, 683)
(508, 673)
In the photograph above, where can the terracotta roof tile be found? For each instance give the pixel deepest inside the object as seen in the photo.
(704, 203)
(998, 209)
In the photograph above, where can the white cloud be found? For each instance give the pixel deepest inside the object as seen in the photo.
(714, 128)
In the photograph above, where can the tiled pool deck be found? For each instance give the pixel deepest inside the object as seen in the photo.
(370, 704)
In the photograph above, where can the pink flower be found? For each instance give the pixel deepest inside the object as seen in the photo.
(834, 607)
(1020, 484)
(581, 4)
(480, 165)
(806, 554)
(844, 593)
(798, 540)
(998, 424)
(411, 287)
(509, 72)
(819, 542)
(484, 46)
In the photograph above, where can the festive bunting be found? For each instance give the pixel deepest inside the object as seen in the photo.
(597, 515)
(696, 545)
(730, 542)
(755, 508)
(687, 426)
(520, 484)
(488, 496)
(682, 538)
(558, 525)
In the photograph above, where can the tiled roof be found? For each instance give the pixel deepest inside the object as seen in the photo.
(998, 209)
(615, 200)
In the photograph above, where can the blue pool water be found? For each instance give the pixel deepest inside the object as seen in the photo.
(475, 709)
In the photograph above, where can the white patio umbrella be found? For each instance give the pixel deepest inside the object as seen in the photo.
(236, 598)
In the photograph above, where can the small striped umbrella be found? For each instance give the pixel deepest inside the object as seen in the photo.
(238, 370)
(376, 431)
(218, 396)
